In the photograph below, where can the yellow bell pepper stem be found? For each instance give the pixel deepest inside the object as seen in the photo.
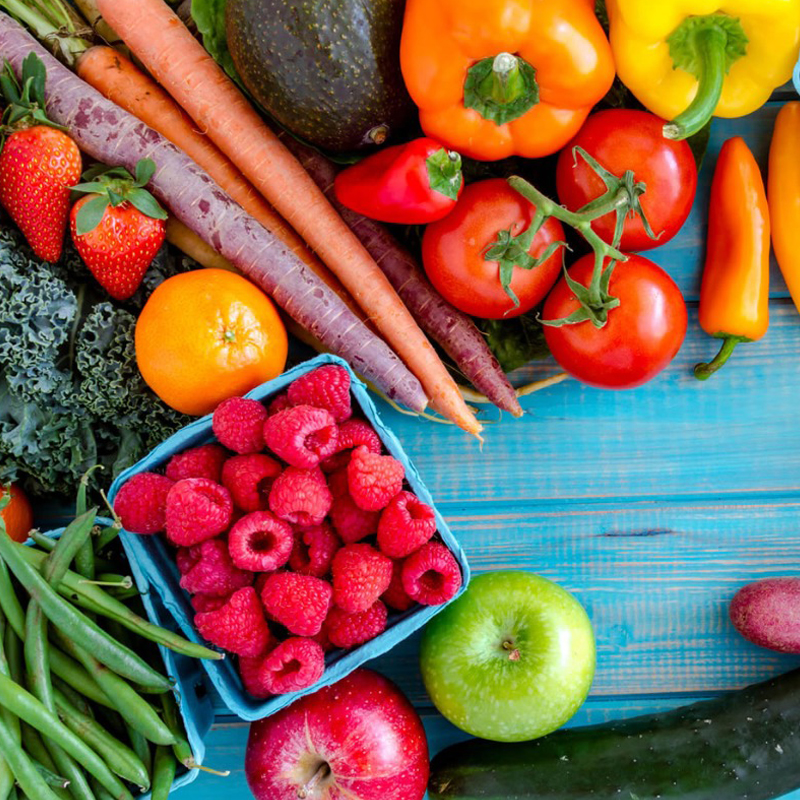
(711, 45)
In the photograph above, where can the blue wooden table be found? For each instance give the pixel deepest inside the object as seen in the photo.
(653, 506)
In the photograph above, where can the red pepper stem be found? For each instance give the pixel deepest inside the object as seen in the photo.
(705, 370)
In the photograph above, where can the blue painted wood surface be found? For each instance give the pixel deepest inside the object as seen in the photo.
(652, 506)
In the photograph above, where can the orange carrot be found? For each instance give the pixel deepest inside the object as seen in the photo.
(181, 65)
(122, 82)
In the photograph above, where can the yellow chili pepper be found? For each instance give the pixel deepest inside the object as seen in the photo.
(783, 190)
(687, 60)
(734, 296)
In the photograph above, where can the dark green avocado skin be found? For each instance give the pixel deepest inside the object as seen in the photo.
(327, 70)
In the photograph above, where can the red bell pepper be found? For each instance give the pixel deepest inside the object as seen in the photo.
(409, 184)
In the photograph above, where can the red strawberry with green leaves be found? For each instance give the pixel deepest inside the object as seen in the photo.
(118, 227)
(39, 163)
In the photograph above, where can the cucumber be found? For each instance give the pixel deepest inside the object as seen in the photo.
(741, 746)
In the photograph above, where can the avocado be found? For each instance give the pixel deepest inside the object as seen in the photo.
(327, 70)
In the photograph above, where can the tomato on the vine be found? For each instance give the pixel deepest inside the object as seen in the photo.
(628, 139)
(641, 335)
(457, 251)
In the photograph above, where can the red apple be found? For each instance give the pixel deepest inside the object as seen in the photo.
(359, 739)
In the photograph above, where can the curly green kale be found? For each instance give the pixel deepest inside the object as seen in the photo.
(71, 395)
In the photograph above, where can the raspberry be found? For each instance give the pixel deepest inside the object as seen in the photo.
(405, 525)
(260, 542)
(238, 423)
(197, 509)
(302, 436)
(326, 387)
(294, 664)
(238, 626)
(279, 403)
(298, 602)
(249, 479)
(199, 462)
(207, 569)
(360, 576)
(300, 496)
(351, 522)
(322, 638)
(395, 596)
(203, 602)
(431, 575)
(352, 433)
(348, 630)
(313, 550)
(141, 503)
(251, 671)
(373, 480)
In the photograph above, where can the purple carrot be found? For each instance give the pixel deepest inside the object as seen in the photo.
(451, 328)
(112, 136)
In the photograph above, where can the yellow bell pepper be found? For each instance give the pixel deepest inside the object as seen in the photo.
(689, 60)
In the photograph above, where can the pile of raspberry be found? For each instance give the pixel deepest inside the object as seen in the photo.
(295, 533)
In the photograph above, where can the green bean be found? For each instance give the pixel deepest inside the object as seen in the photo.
(133, 708)
(9, 602)
(93, 598)
(76, 676)
(182, 749)
(57, 563)
(56, 782)
(164, 768)
(28, 777)
(76, 625)
(30, 710)
(84, 558)
(119, 757)
(78, 784)
(75, 697)
(6, 779)
(45, 542)
(141, 747)
(107, 536)
(13, 795)
(5, 669)
(99, 791)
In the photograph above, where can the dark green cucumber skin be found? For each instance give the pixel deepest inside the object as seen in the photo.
(740, 746)
(327, 70)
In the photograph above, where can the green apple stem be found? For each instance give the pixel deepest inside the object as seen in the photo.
(513, 655)
(306, 791)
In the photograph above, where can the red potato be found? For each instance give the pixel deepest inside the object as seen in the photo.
(113, 136)
(767, 613)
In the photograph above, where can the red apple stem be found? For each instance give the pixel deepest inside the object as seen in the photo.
(304, 792)
(514, 654)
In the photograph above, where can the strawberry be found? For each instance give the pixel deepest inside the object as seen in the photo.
(39, 163)
(118, 227)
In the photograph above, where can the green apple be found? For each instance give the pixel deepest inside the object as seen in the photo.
(512, 659)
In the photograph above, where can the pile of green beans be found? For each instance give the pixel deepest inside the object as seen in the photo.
(84, 714)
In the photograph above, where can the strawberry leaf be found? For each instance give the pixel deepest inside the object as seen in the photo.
(143, 201)
(145, 169)
(90, 214)
(33, 76)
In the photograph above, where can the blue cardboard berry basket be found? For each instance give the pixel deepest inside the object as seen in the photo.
(154, 559)
(191, 693)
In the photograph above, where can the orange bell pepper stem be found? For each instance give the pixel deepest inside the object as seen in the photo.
(783, 191)
(734, 296)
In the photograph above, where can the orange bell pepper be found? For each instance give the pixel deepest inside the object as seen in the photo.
(783, 190)
(734, 296)
(495, 78)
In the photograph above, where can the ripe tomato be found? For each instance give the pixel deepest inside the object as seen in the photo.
(622, 139)
(642, 335)
(453, 251)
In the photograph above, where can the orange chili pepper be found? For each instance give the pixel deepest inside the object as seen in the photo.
(495, 78)
(783, 190)
(734, 297)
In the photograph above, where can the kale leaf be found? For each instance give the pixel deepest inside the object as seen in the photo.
(71, 395)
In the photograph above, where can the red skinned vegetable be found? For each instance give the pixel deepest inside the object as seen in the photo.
(408, 184)
(627, 139)
(640, 337)
(482, 258)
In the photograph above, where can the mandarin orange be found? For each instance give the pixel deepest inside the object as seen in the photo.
(207, 335)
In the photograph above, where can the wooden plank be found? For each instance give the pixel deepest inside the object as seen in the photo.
(674, 437)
